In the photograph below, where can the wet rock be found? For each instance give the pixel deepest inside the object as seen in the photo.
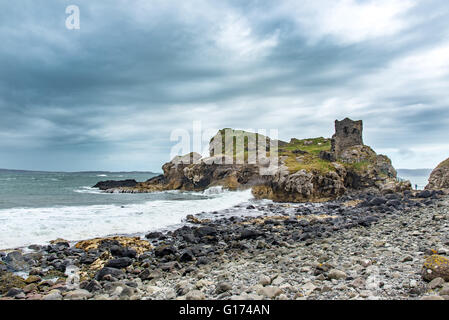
(119, 251)
(164, 250)
(93, 286)
(15, 262)
(108, 271)
(13, 292)
(187, 255)
(33, 279)
(249, 234)
(9, 280)
(205, 231)
(119, 263)
(111, 184)
(154, 235)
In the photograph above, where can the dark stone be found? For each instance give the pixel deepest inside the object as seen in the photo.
(424, 194)
(205, 231)
(111, 184)
(394, 203)
(154, 235)
(15, 262)
(377, 201)
(250, 207)
(186, 256)
(93, 286)
(116, 273)
(189, 237)
(119, 263)
(202, 260)
(249, 234)
(14, 292)
(164, 250)
(119, 251)
(169, 266)
(87, 259)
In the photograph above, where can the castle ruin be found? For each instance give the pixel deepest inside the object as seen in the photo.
(348, 133)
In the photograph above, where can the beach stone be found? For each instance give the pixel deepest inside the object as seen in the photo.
(33, 279)
(336, 274)
(15, 261)
(108, 272)
(9, 280)
(53, 295)
(436, 266)
(93, 286)
(164, 250)
(79, 294)
(432, 298)
(195, 295)
(270, 291)
(30, 288)
(308, 288)
(13, 292)
(435, 283)
(119, 263)
(223, 287)
(278, 281)
(445, 290)
(264, 280)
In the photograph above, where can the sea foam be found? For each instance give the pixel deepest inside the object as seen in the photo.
(24, 226)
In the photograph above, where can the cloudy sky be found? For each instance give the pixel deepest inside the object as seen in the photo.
(109, 95)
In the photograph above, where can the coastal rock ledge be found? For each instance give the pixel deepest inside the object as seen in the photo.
(316, 169)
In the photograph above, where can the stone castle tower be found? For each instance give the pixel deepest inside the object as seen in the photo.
(348, 133)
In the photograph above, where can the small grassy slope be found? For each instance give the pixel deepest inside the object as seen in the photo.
(311, 160)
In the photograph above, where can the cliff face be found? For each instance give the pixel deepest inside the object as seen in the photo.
(439, 178)
(300, 170)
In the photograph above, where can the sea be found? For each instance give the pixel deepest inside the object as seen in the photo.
(36, 207)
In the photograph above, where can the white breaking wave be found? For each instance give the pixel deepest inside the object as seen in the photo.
(102, 175)
(214, 190)
(24, 226)
(87, 189)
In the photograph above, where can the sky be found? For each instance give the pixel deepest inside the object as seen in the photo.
(112, 94)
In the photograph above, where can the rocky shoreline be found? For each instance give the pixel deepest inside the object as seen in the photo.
(360, 246)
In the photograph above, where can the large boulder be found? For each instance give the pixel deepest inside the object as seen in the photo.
(435, 266)
(439, 178)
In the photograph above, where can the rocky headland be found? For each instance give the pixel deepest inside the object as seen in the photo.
(318, 169)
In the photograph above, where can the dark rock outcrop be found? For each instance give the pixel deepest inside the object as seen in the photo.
(109, 184)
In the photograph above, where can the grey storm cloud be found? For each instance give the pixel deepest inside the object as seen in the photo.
(107, 96)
